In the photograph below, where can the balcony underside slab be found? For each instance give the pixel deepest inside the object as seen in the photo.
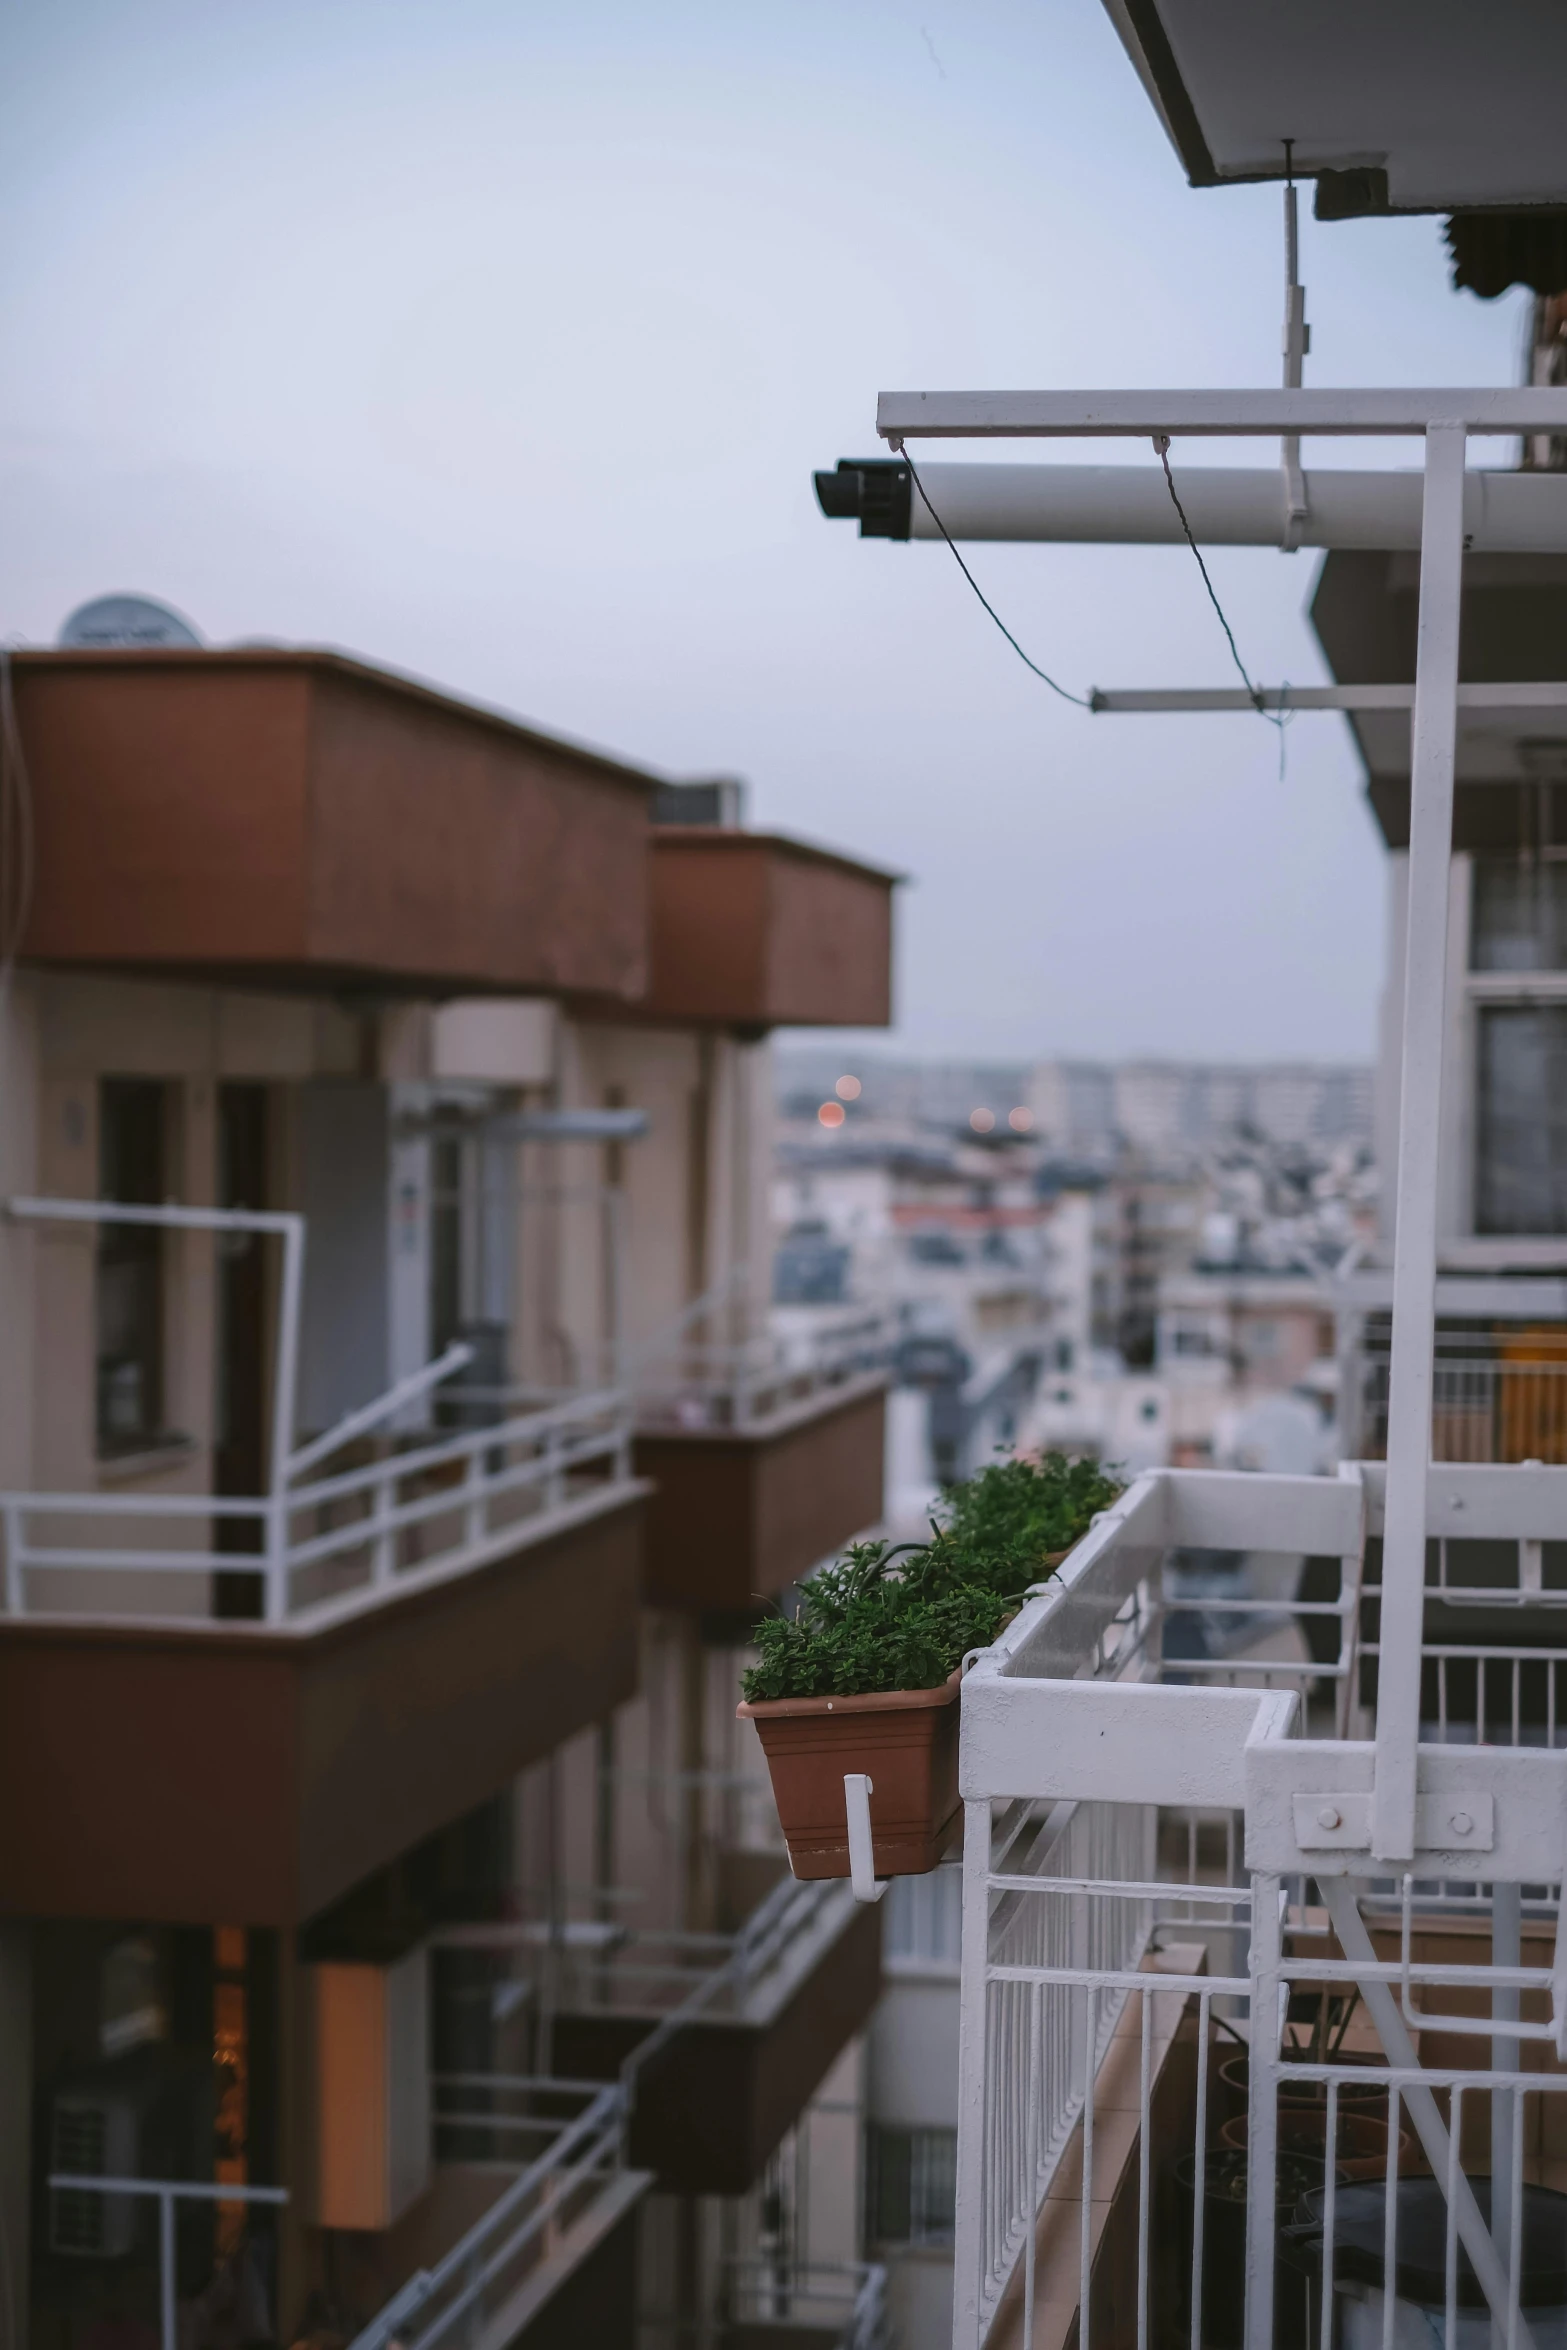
(713, 2103)
(239, 1773)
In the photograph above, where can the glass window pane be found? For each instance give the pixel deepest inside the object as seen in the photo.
(933, 2192)
(1519, 915)
(129, 1305)
(913, 2177)
(890, 2156)
(1521, 1170)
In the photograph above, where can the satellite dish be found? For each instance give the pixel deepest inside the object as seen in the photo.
(127, 621)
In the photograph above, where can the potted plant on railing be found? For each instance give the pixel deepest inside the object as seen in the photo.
(865, 1677)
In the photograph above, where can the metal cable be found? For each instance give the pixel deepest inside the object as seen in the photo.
(1080, 701)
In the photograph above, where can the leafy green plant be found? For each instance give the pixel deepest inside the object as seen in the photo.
(861, 1628)
(904, 1617)
(1018, 1513)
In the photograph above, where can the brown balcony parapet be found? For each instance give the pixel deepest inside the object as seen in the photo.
(298, 819)
(751, 930)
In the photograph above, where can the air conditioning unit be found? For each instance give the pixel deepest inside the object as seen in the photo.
(93, 2135)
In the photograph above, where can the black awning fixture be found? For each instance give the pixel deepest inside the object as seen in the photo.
(1493, 251)
(875, 492)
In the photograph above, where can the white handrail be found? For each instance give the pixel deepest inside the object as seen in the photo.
(371, 1415)
(495, 2240)
(383, 1500)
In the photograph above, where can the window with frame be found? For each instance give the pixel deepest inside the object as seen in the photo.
(911, 2184)
(1521, 1119)
(1518, 925)
(129, 1274)
(1518, 914)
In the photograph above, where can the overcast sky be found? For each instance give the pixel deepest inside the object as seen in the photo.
(496, 341)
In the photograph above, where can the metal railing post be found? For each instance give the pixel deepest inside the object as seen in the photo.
(1432, 740)
(974, 2116)
(167, 2302)
(15, 1572)
(1267, 1950)
(474, 1504)
(275, 1577)
(381, 1546)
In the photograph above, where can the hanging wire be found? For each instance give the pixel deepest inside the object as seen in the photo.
(1079, 701)
(1282, 718)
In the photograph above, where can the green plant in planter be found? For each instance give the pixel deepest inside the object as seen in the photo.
(861, 1628)
(904, 1617)
(1018, 1513)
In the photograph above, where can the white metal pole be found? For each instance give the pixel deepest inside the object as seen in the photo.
(1262, 2123)
(1433, 732)
(285, 1394)
(1295, 339)
(166, 2277)
(1506, 1951)
(1338, 1896)
(15, 1578)
(975, 2120)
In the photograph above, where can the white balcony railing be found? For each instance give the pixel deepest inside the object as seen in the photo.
(844, 2305)
(457, 2301)
(437, 1506)
(737, 1385)
(1104, 1920)
(570, 2139)
(1494, 1399)
(423, 1506)
(678, 1380)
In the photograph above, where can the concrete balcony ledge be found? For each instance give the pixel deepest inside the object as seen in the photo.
(204, 1770)
(742, 1511)
(721, 2074)
(295, 819)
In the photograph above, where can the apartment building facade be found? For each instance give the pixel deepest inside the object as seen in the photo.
(393, 1452)
(1502, 1230)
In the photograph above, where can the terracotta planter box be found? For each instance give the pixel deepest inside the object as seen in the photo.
(906, 1743)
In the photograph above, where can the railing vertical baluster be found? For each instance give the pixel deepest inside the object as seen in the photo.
(1200, 2161)
(976, 2114)
(15, 1569)
(1085, 2231)
(1263, 2116)
(1329, 2212)
(167, 2283)
(383, 1562)
(1455, 2133)
(474, 1507)
(1144, 2168)
(275, 1574)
